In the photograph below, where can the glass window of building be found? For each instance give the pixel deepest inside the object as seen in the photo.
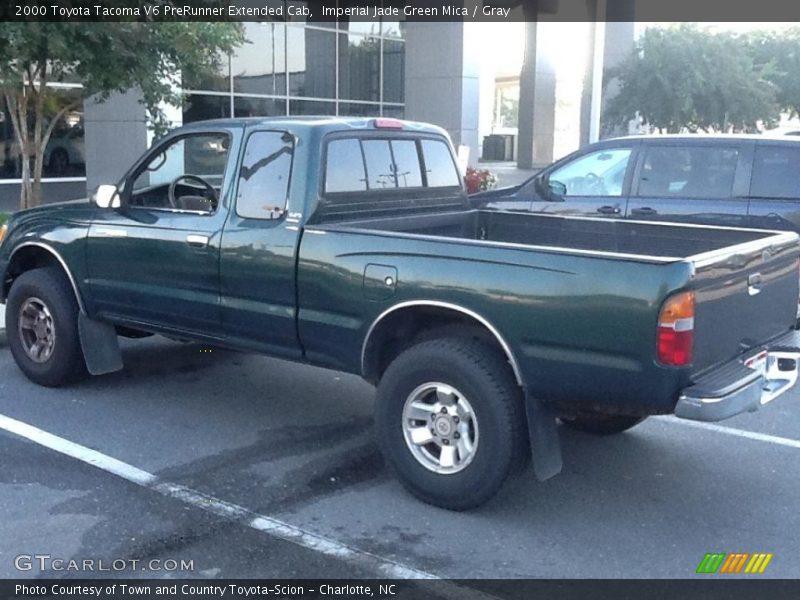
(64, 154)
(299, 68)
(344, 167)
(311, 62)
(258, 107)
(199, 107)
(259, 65)
(359, 67)
(394, 66)
(311, 108)
(264, 176)
(218, 81)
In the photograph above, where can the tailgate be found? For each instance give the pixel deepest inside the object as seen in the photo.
(745, 295)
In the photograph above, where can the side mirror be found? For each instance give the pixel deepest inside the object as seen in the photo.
(556, 190)
(106, 196)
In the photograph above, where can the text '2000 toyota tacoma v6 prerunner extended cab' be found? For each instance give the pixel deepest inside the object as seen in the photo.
(350, 244)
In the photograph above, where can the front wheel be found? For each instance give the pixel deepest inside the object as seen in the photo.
(42, 327)
(451, 422)
(600, 424)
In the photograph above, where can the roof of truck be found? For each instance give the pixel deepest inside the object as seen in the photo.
(327, 123)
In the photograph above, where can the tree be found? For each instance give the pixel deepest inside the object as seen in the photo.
(685, 77)
(103, 57)
(779, 57)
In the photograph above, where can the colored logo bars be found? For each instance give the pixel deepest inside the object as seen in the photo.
(735, 562)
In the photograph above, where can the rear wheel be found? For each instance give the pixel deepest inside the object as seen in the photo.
(450, 420)
(600, 424)
(42, 327)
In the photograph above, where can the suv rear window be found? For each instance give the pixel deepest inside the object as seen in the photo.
(359, 165)
(776, 172)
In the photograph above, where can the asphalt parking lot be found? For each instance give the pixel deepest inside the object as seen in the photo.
(294, 444)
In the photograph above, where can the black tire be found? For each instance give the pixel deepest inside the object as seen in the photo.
(600, 424)
(65, 363)
(483, 376)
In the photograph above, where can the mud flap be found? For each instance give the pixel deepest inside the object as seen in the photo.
(545, 444)
(100, 346)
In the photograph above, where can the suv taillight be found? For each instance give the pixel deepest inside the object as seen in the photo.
(676, 330)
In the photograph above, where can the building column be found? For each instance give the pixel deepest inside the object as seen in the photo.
(116, 135)
(442, 71)
(537, 103)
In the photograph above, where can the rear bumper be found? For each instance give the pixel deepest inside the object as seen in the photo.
(735, 388)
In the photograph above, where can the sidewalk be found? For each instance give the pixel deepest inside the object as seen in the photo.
(508, 174)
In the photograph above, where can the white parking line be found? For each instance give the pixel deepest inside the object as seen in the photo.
(227, 510)
(750, 435)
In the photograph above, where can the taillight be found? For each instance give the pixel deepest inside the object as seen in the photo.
(676, 330)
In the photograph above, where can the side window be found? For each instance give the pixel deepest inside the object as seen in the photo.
(200, 161)
(440, 169)
(264, 175)
(776, 172)
(688, 171)
(344, 167)
(600, 173)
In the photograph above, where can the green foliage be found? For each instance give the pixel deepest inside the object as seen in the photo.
(779, 57)
(685, 77)
(103, 57)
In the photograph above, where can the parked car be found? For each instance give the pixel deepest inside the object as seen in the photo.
(730, 180)
(350, 244)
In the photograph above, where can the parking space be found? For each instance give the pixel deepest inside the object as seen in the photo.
(295, 443)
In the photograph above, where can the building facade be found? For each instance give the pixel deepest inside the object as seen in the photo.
(420, 71)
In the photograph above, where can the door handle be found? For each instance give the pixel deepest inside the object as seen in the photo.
(608, 210)
(644, 211)
(196, 240)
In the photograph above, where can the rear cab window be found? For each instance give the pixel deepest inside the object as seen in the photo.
(380, 164)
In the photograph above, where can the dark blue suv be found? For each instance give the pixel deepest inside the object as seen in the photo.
(733, 180)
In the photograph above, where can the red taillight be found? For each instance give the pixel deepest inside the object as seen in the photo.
(676, 330)
(387, 123)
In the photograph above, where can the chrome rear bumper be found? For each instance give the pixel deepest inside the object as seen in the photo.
(735, 388)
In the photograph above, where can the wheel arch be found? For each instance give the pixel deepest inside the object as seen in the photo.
(398, 326)
(33, 255)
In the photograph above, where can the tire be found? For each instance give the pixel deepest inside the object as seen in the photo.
(45, 293)
(458, 374)
(600, 424)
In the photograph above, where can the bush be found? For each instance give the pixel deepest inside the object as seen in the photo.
(479, 180)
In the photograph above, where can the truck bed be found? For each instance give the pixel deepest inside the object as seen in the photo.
(731, 317)
(657, 242)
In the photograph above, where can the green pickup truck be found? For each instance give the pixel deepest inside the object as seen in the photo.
(350, 244)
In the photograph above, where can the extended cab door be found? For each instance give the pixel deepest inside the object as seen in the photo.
(259, 246)
(593, 184)
(692, 182)
(155, 259)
